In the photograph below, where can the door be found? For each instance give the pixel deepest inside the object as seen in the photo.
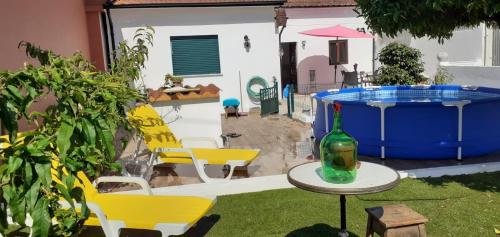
(269, 103)
(288, 64)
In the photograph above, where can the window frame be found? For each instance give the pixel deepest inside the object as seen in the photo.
(177, 37)
(338, 46)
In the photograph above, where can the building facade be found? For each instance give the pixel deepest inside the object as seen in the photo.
(313, 69)
(217, 44)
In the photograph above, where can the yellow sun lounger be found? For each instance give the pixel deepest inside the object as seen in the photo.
(165, 148)
(171, 215)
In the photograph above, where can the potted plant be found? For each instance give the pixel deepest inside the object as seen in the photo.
(174, 81)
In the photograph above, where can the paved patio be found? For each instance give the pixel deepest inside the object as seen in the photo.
(283, 142)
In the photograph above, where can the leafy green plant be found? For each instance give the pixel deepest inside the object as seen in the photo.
(442, 77)
(175, 80)
(433, 18)
(401, 65)
(129, 60)
(77, 133)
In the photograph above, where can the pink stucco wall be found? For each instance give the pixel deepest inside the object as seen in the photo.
(59, 25)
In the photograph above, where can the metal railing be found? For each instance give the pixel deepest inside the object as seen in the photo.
(305, 89)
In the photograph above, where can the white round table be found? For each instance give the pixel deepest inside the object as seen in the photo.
(370, 178)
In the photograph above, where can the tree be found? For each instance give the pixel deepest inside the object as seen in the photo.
(401, 65)
(39, 168)
(432, 18)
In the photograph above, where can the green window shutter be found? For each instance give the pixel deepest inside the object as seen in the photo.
(195, 55)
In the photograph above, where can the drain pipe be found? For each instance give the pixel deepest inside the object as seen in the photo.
(107, 6)
(105, 33)
(279, 41)
(280, 56)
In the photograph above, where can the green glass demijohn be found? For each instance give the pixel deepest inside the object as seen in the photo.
(338, 153)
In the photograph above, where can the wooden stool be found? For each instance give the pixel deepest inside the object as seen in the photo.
(231, 110)
(395, 221)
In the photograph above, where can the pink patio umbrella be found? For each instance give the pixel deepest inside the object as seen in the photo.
(337, 31)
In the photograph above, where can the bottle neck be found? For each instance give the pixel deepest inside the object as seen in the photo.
(337, 122)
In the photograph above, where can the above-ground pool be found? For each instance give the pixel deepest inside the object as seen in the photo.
(416, 122)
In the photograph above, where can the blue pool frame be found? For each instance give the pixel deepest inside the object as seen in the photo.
(417, 130)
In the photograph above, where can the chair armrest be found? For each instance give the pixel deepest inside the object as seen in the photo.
(198, 164)
(180, 150)
(123, 179)
(192, 142)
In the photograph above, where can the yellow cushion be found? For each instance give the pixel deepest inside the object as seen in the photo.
(213, 156)
(156, 133)
(144, 212)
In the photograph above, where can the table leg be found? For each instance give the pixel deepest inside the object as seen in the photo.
(343, 225)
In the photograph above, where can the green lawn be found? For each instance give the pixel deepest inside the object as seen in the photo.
(455, 206)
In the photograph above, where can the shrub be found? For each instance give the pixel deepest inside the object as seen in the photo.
(77, 134)
(442, 77)
(401, 65)
(393, 75)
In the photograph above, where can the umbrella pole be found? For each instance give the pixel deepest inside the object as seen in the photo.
(336, 62)
(335, 75)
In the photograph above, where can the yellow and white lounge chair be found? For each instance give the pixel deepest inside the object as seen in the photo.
(165, 148)
(171, 215)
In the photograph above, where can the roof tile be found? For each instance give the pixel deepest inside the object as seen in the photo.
(320, 3)
(192, 2)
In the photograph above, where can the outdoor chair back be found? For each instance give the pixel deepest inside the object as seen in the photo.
(165, 148)
(350, 79)
(150, 124)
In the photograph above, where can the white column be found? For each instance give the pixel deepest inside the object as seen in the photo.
(311, 111)
(460, 106)
(382, 107)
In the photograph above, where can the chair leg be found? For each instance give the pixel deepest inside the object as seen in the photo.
(137, 147)
(200, 168)
(199, 165)
(369, 227)
(231, 172)
(149, 164)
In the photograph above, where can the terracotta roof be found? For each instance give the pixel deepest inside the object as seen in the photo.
(319, 3)
(198, 92)
(194, 3)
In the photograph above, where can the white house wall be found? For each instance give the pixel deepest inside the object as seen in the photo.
(464, 48)
(231, 24)
(314, 55)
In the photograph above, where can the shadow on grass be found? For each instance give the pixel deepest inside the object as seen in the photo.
(203, 226)
(398, 199)
(201, 229)
(317, 230)
(484, 182)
